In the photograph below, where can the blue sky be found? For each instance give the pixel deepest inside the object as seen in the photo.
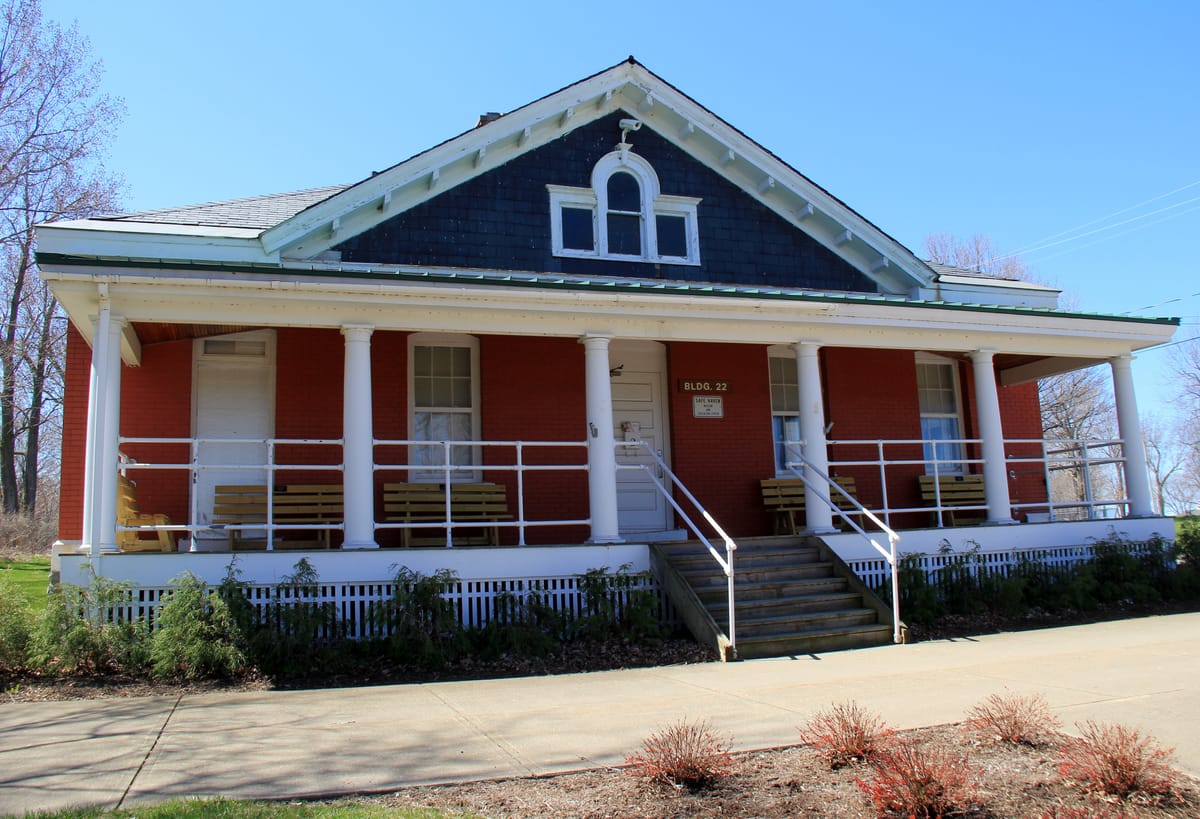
(1069, 131)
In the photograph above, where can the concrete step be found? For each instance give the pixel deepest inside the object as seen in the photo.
(813, 642)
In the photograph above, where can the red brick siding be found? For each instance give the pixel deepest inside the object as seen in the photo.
(534, 389)
(308, 400)
(872, 395)
(156, 402)
(1021, 417)
(76, 375)
(721, 460)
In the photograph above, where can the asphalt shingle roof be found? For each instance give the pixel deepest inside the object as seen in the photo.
(254, 213)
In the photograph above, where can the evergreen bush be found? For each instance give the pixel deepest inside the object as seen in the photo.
(195, 636)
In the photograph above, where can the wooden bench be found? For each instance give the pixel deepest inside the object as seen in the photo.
(128, 514)
(955, 491)
(482, 503)
(784, 497)
(296, 504)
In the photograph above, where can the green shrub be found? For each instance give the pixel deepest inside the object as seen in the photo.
(1126, 571)
(524, 625)
(15, 622)
(195, 635)
(616, 605)
(85, 630)
(424, 628)
(298, 633)
(920, 601)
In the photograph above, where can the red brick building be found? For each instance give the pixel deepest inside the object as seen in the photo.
(610, 302)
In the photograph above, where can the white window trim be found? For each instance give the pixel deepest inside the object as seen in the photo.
(654, 204)
(446, 340)
(938, 360)
(788, 352)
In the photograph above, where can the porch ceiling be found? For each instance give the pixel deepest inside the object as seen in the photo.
(160, 333)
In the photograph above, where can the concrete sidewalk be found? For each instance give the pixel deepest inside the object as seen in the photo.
(124, 752)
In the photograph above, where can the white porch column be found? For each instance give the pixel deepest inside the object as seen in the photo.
(602, 456)
(995, 467)
(89, 457)
(1137, 481)
(107, 344)
(358, 451)
(817, 514)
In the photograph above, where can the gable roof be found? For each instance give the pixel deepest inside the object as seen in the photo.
(302, 225)
(630, 87)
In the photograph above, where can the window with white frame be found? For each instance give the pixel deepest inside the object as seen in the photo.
(785, 408)
(941, 417)
(623, 215)
(443, 405)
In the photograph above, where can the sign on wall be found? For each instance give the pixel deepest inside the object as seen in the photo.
(708, 406)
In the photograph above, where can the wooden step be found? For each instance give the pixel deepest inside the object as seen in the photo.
(814, 642)
(745, 591)
(792, 596)
(758, 623)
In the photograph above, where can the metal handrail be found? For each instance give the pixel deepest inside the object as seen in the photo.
(888, 554)
(726, 562)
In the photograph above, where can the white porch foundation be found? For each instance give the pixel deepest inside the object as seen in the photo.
(155, 570)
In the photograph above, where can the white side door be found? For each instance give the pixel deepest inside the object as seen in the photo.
(638, 393)
(234, 394)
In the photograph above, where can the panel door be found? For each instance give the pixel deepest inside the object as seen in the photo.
(639, 413)
(234, 401)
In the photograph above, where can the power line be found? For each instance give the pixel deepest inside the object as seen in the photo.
(1077, 236)
(1115, 235)
(1158, 347)
(1027, 248)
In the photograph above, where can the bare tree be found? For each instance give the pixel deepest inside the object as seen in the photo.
(975, 254)
(1184, 359)
(54, 129)
(1168, 459)
(1076, 406)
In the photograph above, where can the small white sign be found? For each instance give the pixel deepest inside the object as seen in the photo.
(708, 406)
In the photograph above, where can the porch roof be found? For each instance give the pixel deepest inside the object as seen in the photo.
(560, 281)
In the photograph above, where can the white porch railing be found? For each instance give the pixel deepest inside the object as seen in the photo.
(439, 467)
(726, 562)
(195, 467)
(821, 491)
(1082, 478)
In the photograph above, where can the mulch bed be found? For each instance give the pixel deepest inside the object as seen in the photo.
(1013, 781)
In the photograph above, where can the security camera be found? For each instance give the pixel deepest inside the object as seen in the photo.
(630, 124)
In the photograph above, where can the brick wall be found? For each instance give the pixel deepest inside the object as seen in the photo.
(872, 395)
(76, 375)
(1021, 417)
(308, 400)
(721, 460)
(156, 402)
(533, 389)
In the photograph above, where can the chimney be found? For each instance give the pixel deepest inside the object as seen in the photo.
(490, 116)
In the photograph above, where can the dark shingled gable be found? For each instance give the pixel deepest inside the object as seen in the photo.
(501, 220)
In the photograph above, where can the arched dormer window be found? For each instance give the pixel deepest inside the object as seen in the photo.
(623, 215)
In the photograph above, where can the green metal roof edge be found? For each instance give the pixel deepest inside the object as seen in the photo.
(571, 282)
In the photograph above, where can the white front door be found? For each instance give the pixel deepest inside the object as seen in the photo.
(638, 394)
(234, 392)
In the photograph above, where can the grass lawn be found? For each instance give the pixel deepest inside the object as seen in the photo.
(29, 575)
(230, 809)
